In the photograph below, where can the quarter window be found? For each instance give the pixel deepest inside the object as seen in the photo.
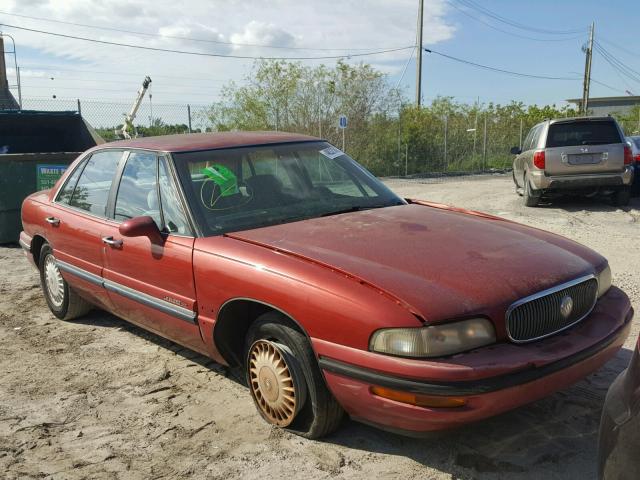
(65, 193)
(92, 190)
(175, 221)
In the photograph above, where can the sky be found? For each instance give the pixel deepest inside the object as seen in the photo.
(521, 40)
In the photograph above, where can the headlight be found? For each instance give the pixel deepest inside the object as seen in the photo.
(434, 341)
(604, 280)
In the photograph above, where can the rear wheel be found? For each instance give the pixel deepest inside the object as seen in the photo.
(285, 381)
(531, 196)
(621, 198)
(62, 300)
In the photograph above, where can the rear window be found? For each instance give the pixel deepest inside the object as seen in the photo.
(583, 133)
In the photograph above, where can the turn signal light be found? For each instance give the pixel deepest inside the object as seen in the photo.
(431, 401)
(538, 159)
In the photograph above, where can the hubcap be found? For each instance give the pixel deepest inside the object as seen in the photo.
(272, 383)
(53, 281)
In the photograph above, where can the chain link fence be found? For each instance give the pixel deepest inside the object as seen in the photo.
(432, 145)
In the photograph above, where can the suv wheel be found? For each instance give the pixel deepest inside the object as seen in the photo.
(621, 198)
(515, 182)
(531, 196)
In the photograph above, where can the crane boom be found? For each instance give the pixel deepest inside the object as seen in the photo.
(124, 131)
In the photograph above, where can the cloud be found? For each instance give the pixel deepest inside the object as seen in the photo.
(107, 72)
(260, 33)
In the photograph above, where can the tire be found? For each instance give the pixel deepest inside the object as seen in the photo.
(515, 182)
(62, 300)
(621, 198)
(316, 412)
(531, 196)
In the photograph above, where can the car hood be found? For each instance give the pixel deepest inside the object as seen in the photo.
(440, 262)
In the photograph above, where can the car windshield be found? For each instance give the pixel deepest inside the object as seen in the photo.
(588, 132)
(250, 187)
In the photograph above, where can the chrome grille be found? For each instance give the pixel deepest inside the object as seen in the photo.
(540, 315)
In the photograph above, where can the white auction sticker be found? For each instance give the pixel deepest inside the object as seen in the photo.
(331, 152)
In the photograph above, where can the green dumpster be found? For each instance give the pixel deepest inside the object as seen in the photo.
(35, 149)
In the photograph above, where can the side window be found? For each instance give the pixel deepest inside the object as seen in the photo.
(326, 174)
(92, 190)
(175, 221)
(527, 140)
(536, 137)
(65, 192)
(137, 192)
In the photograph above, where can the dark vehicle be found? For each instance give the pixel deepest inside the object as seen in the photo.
(619, 444)
(579, 156)
(635, 150)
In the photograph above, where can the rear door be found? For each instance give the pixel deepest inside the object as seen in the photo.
(76, 219)
(584, 146)
(526, 156)
(151, 283)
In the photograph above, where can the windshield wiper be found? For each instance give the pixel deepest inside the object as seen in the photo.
(356, 208)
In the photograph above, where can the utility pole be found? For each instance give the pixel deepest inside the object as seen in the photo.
(419, 57)
(587, 71)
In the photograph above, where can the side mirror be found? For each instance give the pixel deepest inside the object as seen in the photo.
(141, 227)
(516, 151)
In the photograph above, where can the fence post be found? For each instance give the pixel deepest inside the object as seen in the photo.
(484, 146)
(79, 108)
(521, 123)
(189, 116)
(406, 159)
(446, 160)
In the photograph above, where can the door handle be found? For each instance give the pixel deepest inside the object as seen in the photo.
(53, 221)
(112, 241)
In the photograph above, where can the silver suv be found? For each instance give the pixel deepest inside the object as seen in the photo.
(585, 155)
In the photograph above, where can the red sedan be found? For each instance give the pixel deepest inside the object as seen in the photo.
(278, 255)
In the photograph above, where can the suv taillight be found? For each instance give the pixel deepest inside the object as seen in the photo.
(637, 158)
(538, 159)
(628, 156)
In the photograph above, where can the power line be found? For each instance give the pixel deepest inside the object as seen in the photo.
(480, 20)
(485, 11)
(203, 54)
(192, 39)
(499, 70)
(615, 45)
(618, 64)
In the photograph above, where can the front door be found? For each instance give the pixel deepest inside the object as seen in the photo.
(151, 283)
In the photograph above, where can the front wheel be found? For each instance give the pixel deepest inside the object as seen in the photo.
(62, 300)
(285, 381)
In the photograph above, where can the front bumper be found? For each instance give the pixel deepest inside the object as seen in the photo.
(540, 181)
(492, 379)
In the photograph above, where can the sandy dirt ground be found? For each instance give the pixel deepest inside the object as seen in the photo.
(99, 398)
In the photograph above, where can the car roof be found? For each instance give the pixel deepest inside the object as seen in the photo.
(581, 119)
(189, 142)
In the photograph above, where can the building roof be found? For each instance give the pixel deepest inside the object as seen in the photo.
(208, 141)
(629, 99)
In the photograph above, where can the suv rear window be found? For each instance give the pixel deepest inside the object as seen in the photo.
(588, 132)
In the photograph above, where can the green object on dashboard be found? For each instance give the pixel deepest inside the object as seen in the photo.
(224, 178)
